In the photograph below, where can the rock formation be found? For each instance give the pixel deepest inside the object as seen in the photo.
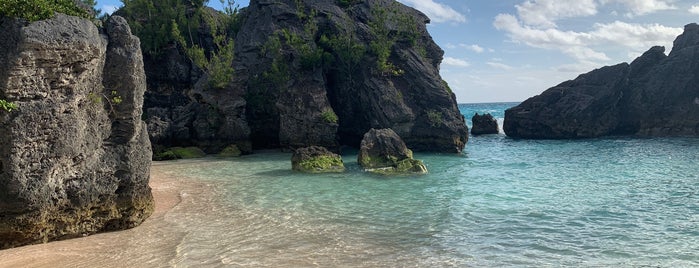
(74, 155)
(316, 159)
(484, 124)
(311, 72)
(382, 151)
(655, 95)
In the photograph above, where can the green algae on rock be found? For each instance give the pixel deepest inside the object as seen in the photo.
(384, 152)
(316, 159)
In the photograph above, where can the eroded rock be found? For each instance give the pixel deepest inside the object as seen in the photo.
(382, 151)
(484, 124)
(75, 155)
(653, 96)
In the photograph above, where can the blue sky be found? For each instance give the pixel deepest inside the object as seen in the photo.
(509, 50)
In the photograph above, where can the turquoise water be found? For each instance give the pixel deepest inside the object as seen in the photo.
(599, 202)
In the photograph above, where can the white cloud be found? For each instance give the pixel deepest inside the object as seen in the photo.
(455, 62)
(643, 7)
(474, 48)
(694, 9)
(435, 11)
(544, 13)
(499, 65)
(582, 45)
(109, 9)
(635, 36)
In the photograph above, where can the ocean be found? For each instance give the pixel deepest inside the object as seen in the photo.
(619, 201)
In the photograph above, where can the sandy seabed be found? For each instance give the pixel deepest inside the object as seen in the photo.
(152, 244)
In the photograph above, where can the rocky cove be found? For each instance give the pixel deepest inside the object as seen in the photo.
(76, 154)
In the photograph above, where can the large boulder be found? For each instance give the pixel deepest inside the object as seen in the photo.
(655, 95)
(383, 151)
(74, 155)
(484, 124)
(316, 159)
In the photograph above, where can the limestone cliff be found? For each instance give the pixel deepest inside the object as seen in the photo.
(74, 155)
(311, 72)
(655, 95)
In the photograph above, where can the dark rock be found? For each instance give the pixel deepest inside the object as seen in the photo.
(301, 91)
(383, 151)
(484, 124)
(655, 95)
(316, 159)
(75, 155)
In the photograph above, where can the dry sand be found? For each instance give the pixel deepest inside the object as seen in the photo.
(153, 244)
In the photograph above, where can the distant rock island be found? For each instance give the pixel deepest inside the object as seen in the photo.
(655, 95)
(306, 73)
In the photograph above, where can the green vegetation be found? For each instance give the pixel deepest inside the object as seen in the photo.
(348, 54)
(230, 151)
(385, 39)
(320, 164)
(35, 10)
(7, 106)
(163, 23)
(446, 85)
(329, 116)
(436, 118)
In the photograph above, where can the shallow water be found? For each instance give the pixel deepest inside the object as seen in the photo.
(592, 203)
(505, 202)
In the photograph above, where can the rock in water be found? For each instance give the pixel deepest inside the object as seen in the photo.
(316, 159)
(75, 155)
(384, 152)
(484, 124)
(655, 95)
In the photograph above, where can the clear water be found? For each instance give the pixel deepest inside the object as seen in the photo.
(599, 202)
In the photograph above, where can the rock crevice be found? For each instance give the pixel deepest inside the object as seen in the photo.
(74, 155)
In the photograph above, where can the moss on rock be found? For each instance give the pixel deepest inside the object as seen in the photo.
(230, 151)
(316, 159)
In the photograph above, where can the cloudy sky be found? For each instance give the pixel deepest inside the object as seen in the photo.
(509, 50)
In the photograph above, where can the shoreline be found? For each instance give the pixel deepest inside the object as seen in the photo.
(108, 249)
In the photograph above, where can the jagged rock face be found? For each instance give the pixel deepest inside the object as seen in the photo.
(484, 124)
(73, 161)
(655, 95)
(383, 151)
(289, 101)
(182, 109)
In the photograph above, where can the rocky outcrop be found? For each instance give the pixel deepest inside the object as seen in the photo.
(382, 151)
(306, 73)
(655, 95)
(316, 159)
(484, 124)
(74, 155)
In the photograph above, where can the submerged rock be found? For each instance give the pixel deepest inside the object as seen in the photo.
(655, 95)
(383, 151)
(74, 155)
(316, 159)
(484, 124)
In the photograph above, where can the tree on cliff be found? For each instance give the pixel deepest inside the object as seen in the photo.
(35, 10)
(187, 24)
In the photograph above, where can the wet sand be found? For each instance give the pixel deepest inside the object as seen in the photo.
(153, 244)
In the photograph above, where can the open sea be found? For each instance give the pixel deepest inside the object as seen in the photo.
(624, 202)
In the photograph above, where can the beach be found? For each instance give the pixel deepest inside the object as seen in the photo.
(151, 244)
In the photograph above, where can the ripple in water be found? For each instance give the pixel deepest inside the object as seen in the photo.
(601, 202)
